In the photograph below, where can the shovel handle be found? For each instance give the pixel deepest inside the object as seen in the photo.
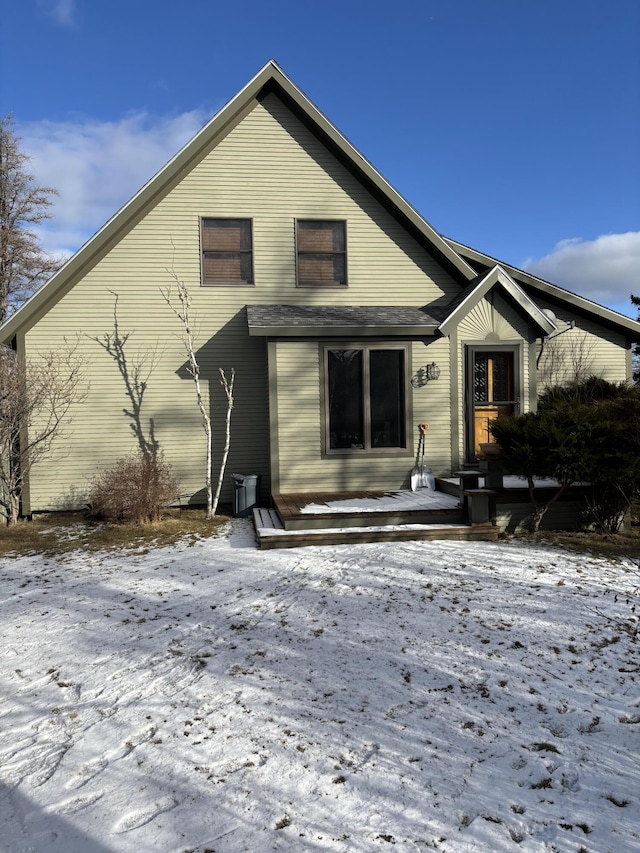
(423, 427)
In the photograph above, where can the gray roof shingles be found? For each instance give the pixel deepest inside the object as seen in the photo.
(265, 316)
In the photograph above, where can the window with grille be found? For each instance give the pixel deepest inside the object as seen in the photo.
(227, 251)
(322, 253)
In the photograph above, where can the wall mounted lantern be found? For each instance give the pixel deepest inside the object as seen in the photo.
(423, 375)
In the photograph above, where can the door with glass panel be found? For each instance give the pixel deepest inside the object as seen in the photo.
(492, 392)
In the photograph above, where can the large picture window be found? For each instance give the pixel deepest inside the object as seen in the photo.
(322, 253)
(227, 252)
(366, 398)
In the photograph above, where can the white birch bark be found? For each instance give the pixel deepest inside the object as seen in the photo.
(182, 313)
(227, 384)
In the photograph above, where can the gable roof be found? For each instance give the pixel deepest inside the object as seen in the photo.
(551, 291)
(464, 263)
(477, 290)
(269, 79)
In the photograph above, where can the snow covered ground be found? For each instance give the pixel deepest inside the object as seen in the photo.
(448, 696)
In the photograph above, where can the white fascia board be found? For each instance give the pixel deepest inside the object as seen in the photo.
(554, 291)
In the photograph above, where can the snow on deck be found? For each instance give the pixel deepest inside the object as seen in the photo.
(422, 499)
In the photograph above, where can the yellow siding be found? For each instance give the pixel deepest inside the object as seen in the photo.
(493, 323)
(586, 350)
(270, 168)
(303, 468)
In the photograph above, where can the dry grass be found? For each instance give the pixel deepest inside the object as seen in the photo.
(625, 544)
(61, 533)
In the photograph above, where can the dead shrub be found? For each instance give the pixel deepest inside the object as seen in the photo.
(136, 489)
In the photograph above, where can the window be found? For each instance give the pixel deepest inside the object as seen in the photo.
(492, 377)
(227, 256)
(366, 408)
(322, 253)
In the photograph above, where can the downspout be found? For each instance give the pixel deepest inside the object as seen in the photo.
(545, 338)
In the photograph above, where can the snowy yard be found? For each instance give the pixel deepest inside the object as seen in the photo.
(447, 696)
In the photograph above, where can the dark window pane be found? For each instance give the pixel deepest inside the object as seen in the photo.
(502, 377)
(493, 377)
(481, 379)
(346, 418)
(386, 382)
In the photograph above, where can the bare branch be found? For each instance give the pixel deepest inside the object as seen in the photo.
(36, 398)
(227, 384)
(566, 359)
(23, 264)
(181, 309)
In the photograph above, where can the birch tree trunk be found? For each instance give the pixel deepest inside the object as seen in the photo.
(182, 313)
(227, 384)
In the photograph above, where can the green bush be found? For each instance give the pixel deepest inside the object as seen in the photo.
(136, 489)
(586, 432)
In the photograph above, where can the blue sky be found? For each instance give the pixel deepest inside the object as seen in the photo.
(511, 125)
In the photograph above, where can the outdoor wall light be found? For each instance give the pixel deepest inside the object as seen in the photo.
(425, 374)
(433, 371)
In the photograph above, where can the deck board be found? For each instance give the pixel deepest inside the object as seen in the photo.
(347, 536)
(322, 518)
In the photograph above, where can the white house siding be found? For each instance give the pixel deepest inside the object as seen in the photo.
(269, 168)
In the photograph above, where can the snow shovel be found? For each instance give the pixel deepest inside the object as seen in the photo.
(421, 477)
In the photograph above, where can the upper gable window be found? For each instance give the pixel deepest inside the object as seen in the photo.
(322, 253)
(227, 251)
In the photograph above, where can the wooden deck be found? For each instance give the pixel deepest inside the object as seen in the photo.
(366, 516)
(366, 508)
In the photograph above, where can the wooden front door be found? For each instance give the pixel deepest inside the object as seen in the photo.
(493, 392)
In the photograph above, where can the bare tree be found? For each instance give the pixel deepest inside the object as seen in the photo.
(180, 304)
(23, 204)
(227, 385)
(565, 359)
(35, 400)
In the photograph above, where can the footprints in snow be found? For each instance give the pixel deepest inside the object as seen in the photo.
(93, 768)
(139, 817)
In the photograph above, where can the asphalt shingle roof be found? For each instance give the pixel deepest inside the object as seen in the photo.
(265, 316)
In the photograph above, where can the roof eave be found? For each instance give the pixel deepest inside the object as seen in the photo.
(326, 331)
(554, 291)
(120, 221)
(270, 74)
(497, 276)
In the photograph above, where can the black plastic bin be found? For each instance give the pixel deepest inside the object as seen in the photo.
(246, 493)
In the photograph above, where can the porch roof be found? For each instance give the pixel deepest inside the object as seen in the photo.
(338, 320)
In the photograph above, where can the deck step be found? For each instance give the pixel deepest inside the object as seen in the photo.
(368, 509)
(271, 533)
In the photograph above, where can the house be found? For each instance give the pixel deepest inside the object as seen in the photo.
(348, 319)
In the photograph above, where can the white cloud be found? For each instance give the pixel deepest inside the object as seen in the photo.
(61, 11)
(606, 269)
(97, 166)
